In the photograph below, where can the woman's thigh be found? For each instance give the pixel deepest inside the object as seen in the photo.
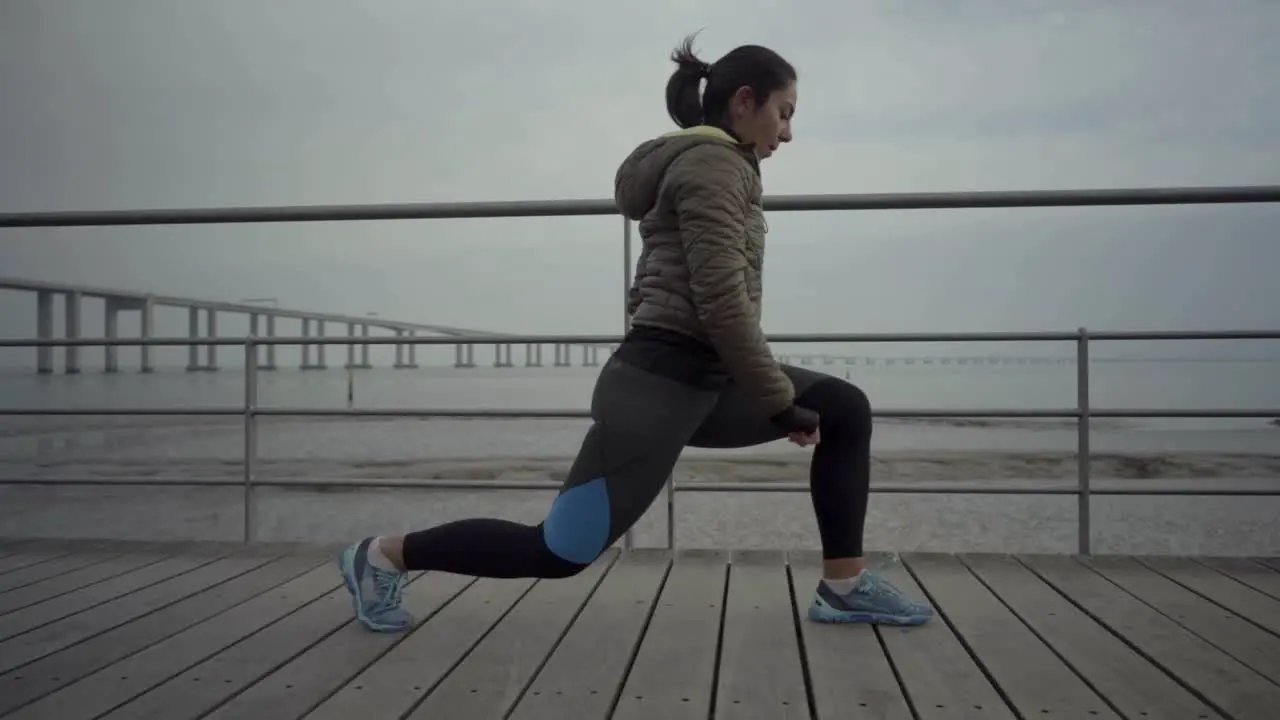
(735, 422)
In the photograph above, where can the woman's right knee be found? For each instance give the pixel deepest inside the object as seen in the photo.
(842, 406)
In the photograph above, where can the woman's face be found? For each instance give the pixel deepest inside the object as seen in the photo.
(766, 126)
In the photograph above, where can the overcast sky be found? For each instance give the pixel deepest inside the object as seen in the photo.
(163, 103)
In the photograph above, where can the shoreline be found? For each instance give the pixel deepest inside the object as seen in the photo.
(886, 467)
(35, 426)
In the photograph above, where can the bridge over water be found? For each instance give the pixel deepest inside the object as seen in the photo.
(263, 321)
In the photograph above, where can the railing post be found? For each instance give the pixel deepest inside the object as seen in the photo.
(671, 512)
(250, 430)
(1083, 460)
(628, 539)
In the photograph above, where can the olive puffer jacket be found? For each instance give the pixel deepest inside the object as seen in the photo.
(697, 196)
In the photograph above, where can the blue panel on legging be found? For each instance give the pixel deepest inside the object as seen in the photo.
(577, 527)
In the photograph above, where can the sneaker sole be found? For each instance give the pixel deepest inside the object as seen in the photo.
(346, 567)
(837, 617)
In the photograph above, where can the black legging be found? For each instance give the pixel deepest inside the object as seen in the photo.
(642, 423)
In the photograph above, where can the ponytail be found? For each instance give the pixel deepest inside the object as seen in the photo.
(684, 101)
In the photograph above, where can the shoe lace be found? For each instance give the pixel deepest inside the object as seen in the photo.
(390, 586)
(879, 587)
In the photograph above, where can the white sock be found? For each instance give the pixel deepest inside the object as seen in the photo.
(843, 586)
(379, 559)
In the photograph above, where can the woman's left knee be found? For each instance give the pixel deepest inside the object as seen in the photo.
(841, 405)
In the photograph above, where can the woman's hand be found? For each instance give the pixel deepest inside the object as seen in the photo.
(805, 439)
(800, 424)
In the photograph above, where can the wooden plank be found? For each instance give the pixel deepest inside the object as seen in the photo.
(33, 616)
(74, 580)
(202, 687)
(298, 686)
(122, 627)
(585, 674)
(1131, 684)
(391, 686)
(492, 677)
(27, 558)
(832, 652)
(675, 669)
(1259, 608)
(1220, 680)
(41, 641)
(942, 681)
(30, 574)
(1236, 636)
(1247, 572)
(1033, 679)
(9, 545)
(1271, 562)
(120, 682)
(760, 663)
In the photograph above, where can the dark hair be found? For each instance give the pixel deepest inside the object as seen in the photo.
(759, 68)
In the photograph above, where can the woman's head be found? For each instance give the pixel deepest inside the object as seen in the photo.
(751, 92)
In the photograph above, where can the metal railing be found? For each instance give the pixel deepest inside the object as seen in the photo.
(250, 410)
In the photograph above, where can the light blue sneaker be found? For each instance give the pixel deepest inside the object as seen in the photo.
(873, 600)
(375, 593)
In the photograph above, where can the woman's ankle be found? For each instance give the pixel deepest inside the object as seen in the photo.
(387, 552)
(842, 568)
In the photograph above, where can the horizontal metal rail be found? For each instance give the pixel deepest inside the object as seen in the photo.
(517, 413)
(569, 208)
(496, 339)
(1055, 487)
(1083, 413)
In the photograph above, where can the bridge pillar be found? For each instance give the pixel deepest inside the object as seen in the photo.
(269, 350)
(320, 363)
(211, 331)
(502, 356)
(270, 364)
(590, 358)
(147, 328)
(464, 355)
(44, 331)
(193, 332)
(563, 358)
(307, 347)
(72, 330)
(351, 349)
(320, 349)
(111, 327)
(406, 354)
(532, 355)
(253, 332)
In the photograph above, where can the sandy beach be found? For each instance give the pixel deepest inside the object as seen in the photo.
(307, 455)
(298, 459)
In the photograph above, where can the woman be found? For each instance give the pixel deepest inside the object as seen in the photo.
(694, 370)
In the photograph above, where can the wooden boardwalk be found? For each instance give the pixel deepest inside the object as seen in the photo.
(178, 632)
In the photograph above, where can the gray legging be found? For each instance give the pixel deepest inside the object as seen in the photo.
(641, 423)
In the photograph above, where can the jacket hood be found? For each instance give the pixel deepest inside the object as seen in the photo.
(635, 186)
